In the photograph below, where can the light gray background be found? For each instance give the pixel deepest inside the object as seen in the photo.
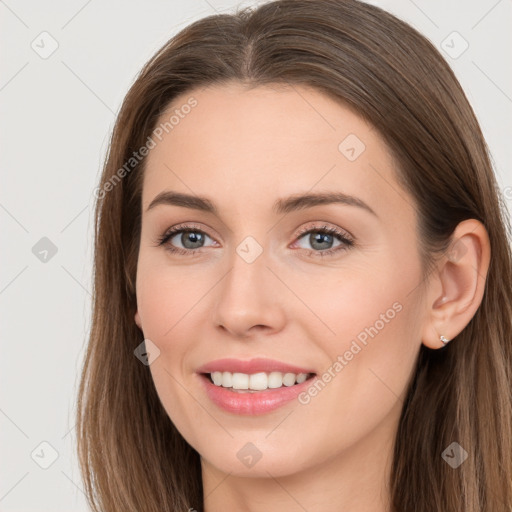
(57, 114)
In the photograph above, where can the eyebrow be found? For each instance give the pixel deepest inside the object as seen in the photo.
(281, 206)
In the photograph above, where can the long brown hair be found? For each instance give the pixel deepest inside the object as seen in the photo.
(131, 456)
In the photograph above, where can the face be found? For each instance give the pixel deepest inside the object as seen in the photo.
(330, 287)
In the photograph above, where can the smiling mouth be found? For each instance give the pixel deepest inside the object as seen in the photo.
(256, 382)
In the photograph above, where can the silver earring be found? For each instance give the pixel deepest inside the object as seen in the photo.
(444, 340)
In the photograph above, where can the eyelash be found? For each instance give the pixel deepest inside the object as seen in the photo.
(346, 241)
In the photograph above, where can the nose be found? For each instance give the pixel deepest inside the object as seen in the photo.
(250, 299)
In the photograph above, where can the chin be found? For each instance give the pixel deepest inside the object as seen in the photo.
(254, 462)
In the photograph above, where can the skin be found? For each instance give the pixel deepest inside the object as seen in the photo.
(244, 149)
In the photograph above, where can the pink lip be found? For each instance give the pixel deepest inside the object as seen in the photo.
(252, 404)
(252, 366)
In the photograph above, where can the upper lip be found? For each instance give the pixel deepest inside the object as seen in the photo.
(256, 365)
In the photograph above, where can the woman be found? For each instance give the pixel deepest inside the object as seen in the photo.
(302, 277)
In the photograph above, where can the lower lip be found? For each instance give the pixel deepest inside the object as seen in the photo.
(252, 404)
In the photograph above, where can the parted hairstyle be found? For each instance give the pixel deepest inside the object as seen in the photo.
(132, 458)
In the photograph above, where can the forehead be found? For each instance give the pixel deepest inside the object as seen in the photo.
(247, 147)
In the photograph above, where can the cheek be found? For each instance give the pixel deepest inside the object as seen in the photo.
(166, 297)
(368, 326)
(368, 366)
(166, 294)
(169, 300)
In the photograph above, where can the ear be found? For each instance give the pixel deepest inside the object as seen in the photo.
(456, 291)
(137, 320)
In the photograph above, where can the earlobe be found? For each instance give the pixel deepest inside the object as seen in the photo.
(461, 278)
(137, 320)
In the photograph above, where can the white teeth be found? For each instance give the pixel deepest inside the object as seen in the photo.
(301, 378)
(257, 381)
(275, 380)
(240, 381)
(227, 379)
(289, 379)
(217, 378)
